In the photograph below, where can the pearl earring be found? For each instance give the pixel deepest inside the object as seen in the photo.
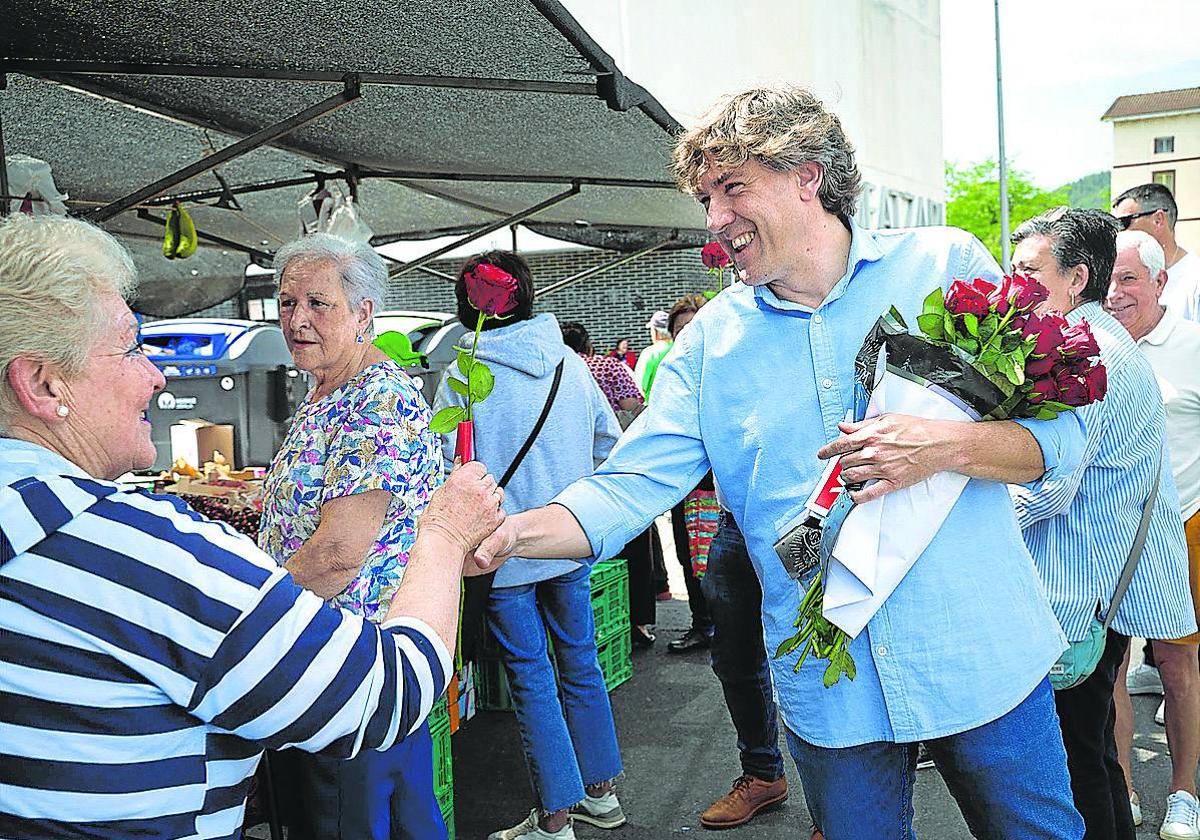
(62, 411)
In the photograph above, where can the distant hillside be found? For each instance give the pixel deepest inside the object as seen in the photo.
(1090, 191)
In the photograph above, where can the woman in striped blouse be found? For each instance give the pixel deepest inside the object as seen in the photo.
(1080, 528)
(149, 654)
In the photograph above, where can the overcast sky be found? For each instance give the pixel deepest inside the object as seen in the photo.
(1064, 62)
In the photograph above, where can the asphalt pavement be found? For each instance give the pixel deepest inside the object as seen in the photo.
(678, 746)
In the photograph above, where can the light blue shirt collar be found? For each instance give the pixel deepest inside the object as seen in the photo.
(863, 249)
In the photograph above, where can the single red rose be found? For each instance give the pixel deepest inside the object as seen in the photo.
(1096, 381)
(714, 256)
(1028, 292)
(963, 300)
(1047, 329)
(1079, 341)
(491, 290)
(1039, 368)
(1044, 389)
(1071, 389)
(1000, 299)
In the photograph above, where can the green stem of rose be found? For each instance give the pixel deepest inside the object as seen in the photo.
(474, 347)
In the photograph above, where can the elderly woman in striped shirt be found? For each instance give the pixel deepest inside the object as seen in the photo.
(1080, 528)
(150, 654)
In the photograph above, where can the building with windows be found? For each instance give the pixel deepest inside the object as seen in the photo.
(876, 63)
(1156, 137)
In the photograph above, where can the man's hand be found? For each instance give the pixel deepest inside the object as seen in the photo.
(893, 450)
(494, 550)
(466, 509)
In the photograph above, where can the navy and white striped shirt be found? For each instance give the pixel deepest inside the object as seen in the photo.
(149, 655)
(1080, 526)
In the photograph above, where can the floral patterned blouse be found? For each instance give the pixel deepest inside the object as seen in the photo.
(614, 379)
(370, 434)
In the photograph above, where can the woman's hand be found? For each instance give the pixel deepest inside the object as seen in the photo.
(466, 509)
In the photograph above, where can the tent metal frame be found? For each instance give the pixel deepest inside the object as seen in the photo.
(42, 66)
(606, 83)
(351, 91)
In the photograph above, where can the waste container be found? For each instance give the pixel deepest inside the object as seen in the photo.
(223, 371)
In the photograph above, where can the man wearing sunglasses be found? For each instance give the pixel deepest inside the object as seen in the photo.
(1151, 208)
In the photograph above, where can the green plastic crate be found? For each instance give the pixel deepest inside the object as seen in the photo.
(616, 658)
(443, 765)
(610, 604)
(439, 715)
(608, 570)
(491, 686)
(448, 816)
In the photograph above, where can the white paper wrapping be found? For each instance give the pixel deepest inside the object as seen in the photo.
(880, 540)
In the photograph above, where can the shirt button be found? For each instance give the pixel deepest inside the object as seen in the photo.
(881, 650)
(827, 383)
(817, 319)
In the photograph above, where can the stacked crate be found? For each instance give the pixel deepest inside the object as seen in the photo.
(610, 612)
(443, 762)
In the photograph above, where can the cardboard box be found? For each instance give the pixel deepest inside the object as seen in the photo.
(195, 441)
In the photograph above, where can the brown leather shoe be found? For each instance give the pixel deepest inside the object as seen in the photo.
(748, 796)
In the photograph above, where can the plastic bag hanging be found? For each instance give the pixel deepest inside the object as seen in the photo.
(32, 184)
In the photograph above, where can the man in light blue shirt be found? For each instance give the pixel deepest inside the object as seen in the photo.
(756, 389)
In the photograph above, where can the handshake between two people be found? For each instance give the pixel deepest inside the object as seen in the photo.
(468, 511)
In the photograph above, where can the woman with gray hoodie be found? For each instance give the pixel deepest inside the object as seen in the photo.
(570, 746)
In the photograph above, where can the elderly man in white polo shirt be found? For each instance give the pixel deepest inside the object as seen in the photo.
(1172, 345)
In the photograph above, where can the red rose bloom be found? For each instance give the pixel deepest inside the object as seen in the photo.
(714, 256)
(999, 298)
(1038, 368)
(1028, 292)
(1072, 390)
(1044, 389)
(1047, 329)
(1079, 341)
(1096, 381)
(983, 286)
(963, 300)
(491, 290)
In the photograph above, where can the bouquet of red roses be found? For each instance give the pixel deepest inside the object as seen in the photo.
(982, 353)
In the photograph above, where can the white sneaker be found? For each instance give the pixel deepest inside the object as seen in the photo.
(529, 829)
(1160, 715)
(1135, 806)
(1182, 821)
(1144, 679)
(600, 811)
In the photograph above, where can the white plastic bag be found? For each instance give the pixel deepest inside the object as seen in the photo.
(30, 179)
(330, 209)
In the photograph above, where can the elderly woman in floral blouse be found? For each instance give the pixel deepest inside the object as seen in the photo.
(340, 510)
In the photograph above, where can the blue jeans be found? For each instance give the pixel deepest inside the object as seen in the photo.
(739, 659)
(1008, 776)
(374, 796)
(572, 741)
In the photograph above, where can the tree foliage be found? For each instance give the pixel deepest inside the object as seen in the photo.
(1091, 191)
(973, 200)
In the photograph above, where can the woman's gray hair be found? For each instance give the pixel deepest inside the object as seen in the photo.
(1149, 251)
(363, 272)
(53, 272)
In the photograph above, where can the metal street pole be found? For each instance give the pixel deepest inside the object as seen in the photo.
(1004, 264)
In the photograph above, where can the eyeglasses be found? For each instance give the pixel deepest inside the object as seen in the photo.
(1125, 221)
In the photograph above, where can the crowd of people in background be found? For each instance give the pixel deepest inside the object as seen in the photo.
(330, 638)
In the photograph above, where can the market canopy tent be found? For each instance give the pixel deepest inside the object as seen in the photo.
(442, 118)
